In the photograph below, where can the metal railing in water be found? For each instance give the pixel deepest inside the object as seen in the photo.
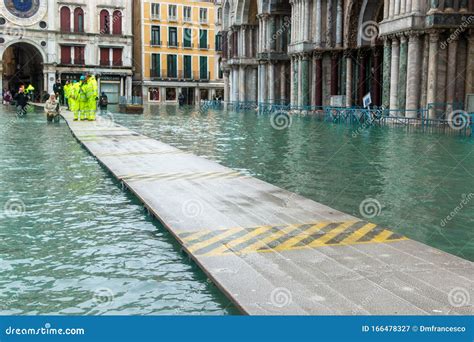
(461, 121)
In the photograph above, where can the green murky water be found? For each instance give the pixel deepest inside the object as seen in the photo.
(72, 242)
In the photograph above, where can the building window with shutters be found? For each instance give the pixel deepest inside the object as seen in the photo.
(187, 13)
(117, 23)
(172, 13)
(104, 22)
(203, 39)
(78, 20)
(203, 70)
(187, 64)
(105, 56)
(65, 20)
(65, 54)
(155, 11)
(155, 36)
(187, 37)
(203, 15)
(117, 57)
(79, 55)
(172, 66)
(172, 37)
(155, 65)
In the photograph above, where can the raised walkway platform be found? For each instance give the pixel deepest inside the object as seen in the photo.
(274, 252)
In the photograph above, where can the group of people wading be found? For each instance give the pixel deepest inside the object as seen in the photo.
(81, 97)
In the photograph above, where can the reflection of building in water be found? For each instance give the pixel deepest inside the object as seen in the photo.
(176, 51)
(41, 40)
(406, 53)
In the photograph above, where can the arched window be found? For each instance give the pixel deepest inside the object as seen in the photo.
(78, 20)
(117, 23)
(65, 18)
(104, 22)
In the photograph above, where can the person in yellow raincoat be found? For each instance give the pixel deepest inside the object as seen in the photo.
(82, 98)
(92, 95)
(67, 90)
(73, 99)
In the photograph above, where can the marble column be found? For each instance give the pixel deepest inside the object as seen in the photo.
(377, 77)
(318, 99)
(329, 24)
(271, 33)
(295, 80)
(242, 84)
(434, 6)
(319, 23)
(292, 89)
(451, 74)
(394, 72)
(349, 75)
(391, 11)
(402, 6)
(413, 89)
(387, 60)
(408, 8)
(397, 7)
(334, 73)
(339, 23)
(470, 65)
(226, 87)
(305, 91)
(283, 99)
(300, 81)
(306, 21)
(271, 82)
(432, 73)
(252, 86)
(416, 6)
(402, 81)
(259, 83)
(386, 9)
(362, 84)
(235, 85)
(264, 83)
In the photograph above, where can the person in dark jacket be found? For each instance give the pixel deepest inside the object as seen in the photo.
(21, 100)
(103, 102)
(181, 99)
(59, 91)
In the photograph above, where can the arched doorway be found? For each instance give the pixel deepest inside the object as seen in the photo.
(23, 64)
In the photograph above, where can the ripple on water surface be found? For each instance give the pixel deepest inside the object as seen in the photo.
(71, 242)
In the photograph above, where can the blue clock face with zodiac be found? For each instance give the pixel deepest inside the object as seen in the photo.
(22, 8)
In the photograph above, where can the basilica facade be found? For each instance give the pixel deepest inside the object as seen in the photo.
(407, 54)
(43, 40)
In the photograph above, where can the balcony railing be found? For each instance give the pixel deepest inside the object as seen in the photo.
(79, 61)
(155, 17)
(204, 47)
(173, 44)
(155, 42)
(203, 21)
(180, 75)
(188, 45)
(187, 19)
(172, 18)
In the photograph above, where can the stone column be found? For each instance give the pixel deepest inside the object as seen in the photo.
(434, 6)
(271, 33)
(305, 91)
(391, 11)
(339, 24)
(387, 59)
(264, 83)
(128, 86)
(470, 65)
(432, 73)
(244, 41)
(271, 82)
(386, 9)
(397, 7)
(377, 78)
(451, 74)
(283, 99)
(329, 24)
(402, 6)
(292, 82)
(394, 72)
(416, 6)
(408, 7)
(252, 86)
(349, 75)
(334, 73)
(319, 23)
(226, 87)
(242, 92)
(362, 85)
(295, 80)
(300, 81)
(402, 82)
(235, 85)
(413, 89)
(306, 21)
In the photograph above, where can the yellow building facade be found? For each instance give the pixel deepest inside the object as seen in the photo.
(176, 51)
